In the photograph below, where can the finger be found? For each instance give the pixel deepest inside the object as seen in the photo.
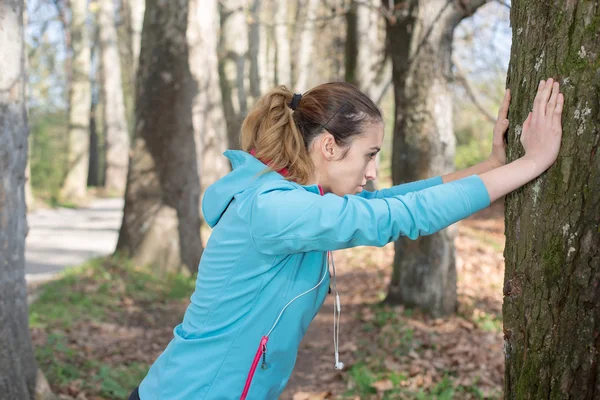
(552, 102)
(557, 114)
(537, 100)
(545, 95)
(499, 130)
(503, 112)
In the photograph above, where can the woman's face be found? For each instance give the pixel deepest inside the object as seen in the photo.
(348, 174)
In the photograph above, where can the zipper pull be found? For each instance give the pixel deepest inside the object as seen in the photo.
(264, 364)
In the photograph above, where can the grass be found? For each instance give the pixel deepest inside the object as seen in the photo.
(363, 383)
(96, 290)
(103, 290)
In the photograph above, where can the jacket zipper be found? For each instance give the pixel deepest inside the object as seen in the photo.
(261, 352)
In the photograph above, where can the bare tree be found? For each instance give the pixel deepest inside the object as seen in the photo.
(420, 45)
(75, 183)
(306, 35)
(233, 66)
(209, 122)
(116, 136)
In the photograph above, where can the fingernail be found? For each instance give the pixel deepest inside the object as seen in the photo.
(505, 121)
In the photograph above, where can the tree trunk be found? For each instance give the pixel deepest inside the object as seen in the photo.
(552, 278)
(161, 219)
(254, 43)
(94, 166)
(208, 118)
(94, 159)
(233, 68)
(306, 35)
(136, 15)
(17, 363)
(420, 45)
(283, 72)
(74, 185)
(367, 66)
(266, 47)
(115, 121)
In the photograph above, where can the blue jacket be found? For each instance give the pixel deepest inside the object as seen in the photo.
(268, 245)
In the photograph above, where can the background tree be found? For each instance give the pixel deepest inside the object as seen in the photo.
(419, 35)
(162, 199)
(234, 68)
(116, 135)
(17, 364)
(210, 130)
(75, 183)
(552, 277)
(303, 62)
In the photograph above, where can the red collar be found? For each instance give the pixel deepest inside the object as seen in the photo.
(284, 171)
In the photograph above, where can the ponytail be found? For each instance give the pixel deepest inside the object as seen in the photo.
(270, 130)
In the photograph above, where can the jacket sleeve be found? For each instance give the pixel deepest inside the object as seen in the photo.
(402, 189)
(287, 219)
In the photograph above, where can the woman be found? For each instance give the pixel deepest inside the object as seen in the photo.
(265, 271)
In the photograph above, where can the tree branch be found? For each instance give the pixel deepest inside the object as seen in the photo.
(461, 78)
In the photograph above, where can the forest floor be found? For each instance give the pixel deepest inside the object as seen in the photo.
(97, 327)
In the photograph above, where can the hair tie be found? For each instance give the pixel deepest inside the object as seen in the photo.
(295, 100)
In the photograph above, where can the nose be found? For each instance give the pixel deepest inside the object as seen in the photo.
(371, 172)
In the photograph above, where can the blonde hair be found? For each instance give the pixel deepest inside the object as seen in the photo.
(281, 136)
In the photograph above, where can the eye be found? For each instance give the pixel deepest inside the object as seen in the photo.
(372, 155)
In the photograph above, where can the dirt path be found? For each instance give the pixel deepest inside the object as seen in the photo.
(62, 237)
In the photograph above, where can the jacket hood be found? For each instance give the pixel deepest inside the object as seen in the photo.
(246, 171)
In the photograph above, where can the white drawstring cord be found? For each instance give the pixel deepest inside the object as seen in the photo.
(336, 318)
(295, 298)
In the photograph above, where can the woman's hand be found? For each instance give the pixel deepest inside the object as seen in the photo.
(498, 156)
(542, 130)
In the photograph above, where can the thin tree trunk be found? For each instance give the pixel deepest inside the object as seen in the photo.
(17, 363)
(254, 44)
(266, 48)
(420, 45)
(551, 305)
(209, 121)
(94, 160)
(163, 190)
(137, 8)
(367, 66)
(94, 166)
(283, 72)
(306, 36)
(233, 68)
(74, 185)
(115, 121)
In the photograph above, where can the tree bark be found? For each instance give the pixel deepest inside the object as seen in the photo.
(551, 305)
(74, 185)
(420, 45)
(161, 220)
(233, 66)
(17, 363)
(115, 121)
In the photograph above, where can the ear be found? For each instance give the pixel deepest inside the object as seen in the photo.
(328, 146)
